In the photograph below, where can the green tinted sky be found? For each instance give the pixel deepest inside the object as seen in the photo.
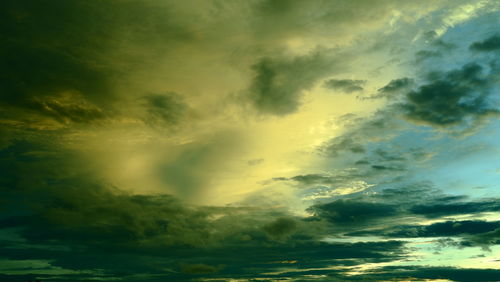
(249, 140)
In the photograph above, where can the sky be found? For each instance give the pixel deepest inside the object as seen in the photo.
(249, 140)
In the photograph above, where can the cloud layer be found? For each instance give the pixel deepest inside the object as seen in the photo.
(249, 140)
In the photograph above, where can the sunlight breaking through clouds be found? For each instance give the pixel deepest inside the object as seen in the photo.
(260, 140)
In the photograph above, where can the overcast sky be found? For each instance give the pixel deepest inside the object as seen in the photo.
(266, 140)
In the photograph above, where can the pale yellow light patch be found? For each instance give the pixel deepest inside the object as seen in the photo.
(396, 16)
(281, 271)
(462, 14)
(287, 145)
(363, 268)
(487, 262)
(485, 216)
(352, 187)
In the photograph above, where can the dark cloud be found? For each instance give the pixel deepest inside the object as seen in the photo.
(281, 227)
(353, 212)
(314, 179)
(426, 54)
(484, 240)
(199, 269)
(426, 201)
(77, 222)
(368, 145)
(451, 98)
(59, 201)
(61, 57)
(425, 272)
(490, 44)
(430, 35)
(345, 85)
(446, 46)
(439, 229)
(445, 206)
(381, 214)
(412, 193)
(387, 156)
(278, 82)
(360, 134)
(382, 167)
(81, 62)
(339, 178)
(33, 70)
(67, 108)
(396, 85)
(278, 20)
(165, 108)
(344, 143)
(449, 228)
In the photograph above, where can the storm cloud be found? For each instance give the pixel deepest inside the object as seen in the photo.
(452, 98)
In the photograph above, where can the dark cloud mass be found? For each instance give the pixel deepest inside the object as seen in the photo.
(60, 58)
(198, 269)
(278, 83)
(490, 44)
(281, 227)
(33, 76)
(353, 212)
(411, 204)
(440, 208)
(345, 85)
(426, 54)
(164, 108)
(344, 143)
(78, 223)
(452, 98)
(440, 229)
(396, 85)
